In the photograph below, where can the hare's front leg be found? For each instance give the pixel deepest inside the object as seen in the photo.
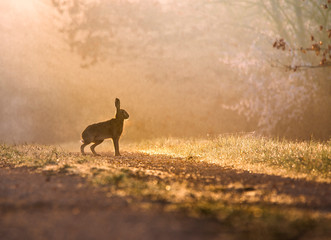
(116, 146)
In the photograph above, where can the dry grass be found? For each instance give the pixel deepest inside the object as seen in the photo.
(306, 159)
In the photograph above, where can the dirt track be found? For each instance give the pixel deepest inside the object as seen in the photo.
(65, 207)
(38, 206)
(304, 193)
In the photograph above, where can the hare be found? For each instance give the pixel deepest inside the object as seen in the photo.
(98, 132)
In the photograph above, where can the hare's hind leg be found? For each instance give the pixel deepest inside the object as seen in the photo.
(82, 148)
(96, 143)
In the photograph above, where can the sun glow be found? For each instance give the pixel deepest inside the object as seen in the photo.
(22, 5)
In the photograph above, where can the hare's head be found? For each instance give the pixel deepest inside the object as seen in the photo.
(120, 113)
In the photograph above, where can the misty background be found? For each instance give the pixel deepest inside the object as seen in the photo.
(190, 68)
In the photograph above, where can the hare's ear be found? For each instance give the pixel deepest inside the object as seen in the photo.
(117, 103)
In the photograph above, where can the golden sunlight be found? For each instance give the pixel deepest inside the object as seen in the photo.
(22, 5)
(227, 137)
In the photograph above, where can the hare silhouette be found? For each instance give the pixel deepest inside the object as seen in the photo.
(98, 132)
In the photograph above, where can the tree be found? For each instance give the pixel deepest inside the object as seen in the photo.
(121, 30)
(292, 104)
(320, 46)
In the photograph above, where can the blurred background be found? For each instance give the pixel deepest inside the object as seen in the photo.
(189, 68)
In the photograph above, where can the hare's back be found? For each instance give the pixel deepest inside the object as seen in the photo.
(98, 131)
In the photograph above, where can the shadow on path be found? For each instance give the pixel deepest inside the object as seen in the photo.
(33, 206)
(313, 195)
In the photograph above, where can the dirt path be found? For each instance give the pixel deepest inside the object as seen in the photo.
(66, 207)
(261, 187)
(37, 206)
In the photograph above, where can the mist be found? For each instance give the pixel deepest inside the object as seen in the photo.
(183, 69)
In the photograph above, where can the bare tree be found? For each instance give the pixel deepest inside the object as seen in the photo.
(285, 103)
(320, 44)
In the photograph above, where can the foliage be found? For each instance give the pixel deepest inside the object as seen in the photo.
(121, 31)
(321, 46)
(288, 104)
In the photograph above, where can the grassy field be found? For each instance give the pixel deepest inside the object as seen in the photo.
(306, 159)
(149, 173)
